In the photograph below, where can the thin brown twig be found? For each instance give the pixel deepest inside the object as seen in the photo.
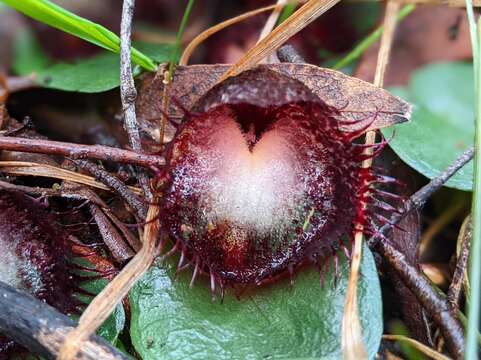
(106, 301)
(436, 305)
(80, 151)
(119, 249)
(455, 288)
(128, 92)
(115, 184)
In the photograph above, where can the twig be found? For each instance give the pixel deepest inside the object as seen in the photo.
(105, 302)
(128, 93)
(268, 26)
(80, 151)
(115, 184)
(454, 291)
(437, 306)
(43, 330)
(30, 190)
(120, 251)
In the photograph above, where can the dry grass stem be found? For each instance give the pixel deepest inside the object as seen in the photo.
(432, 354)
(34, 169)
(451, 3)
(105, 302)
(184, 59)
(295, 23)
(272, 20)
(352, 341)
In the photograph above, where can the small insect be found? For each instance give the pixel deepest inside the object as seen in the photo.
(262, 177)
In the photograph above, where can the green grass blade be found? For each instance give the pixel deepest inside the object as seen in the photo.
(57, 17)
(475, 252)
(178, 39)
(370, 39)
(286, 12)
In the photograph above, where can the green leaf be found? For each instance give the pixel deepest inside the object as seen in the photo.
(59, 18)
(442, 123)
(28, 56)
(115, 323)
(172, 321)
(97, 74)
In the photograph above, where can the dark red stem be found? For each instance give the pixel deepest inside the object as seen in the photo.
(80, 151)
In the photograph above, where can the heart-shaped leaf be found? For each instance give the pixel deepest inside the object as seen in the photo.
(172, 321)
(442, 125)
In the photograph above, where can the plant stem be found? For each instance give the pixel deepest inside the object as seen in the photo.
(370, 40)
(286, 12)
(475, 253)
(128, 92)
(80, 151)
(178, 39)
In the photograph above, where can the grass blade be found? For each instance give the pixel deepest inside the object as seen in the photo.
(370, 40)
(178, 39)
(59, 18)
(475, 252)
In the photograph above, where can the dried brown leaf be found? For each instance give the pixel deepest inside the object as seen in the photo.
(357, 99)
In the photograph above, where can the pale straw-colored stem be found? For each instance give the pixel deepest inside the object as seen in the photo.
(352, 342)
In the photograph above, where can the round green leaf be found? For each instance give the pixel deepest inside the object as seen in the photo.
(172, 321)
(97, 74)
(442, 123)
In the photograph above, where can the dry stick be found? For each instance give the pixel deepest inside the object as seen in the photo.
(80, 151)
(352, 341)
(272, 20)
(128, 93)
(42, 329)
(268, 26)
(119, 249)
(436, 305)
(115, 184)
(454, 291)
(105, 302)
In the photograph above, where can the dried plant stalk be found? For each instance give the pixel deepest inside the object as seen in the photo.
(295, 23)
(352, 341)
(417, 345)
(105, 302)
(35, 169)
(184, 59)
